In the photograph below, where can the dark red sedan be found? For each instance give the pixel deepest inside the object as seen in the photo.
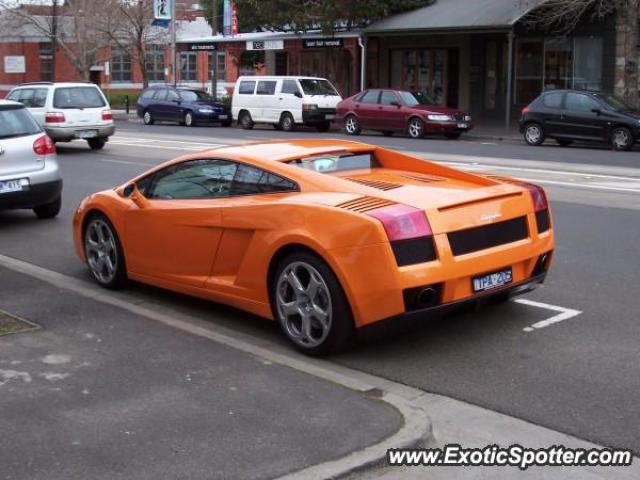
(390, 111)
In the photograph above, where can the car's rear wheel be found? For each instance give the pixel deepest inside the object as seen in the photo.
(563, 142)
(352, 125)
(96, 143)
(453, 136)
(621, 139)
(105, 257)
(147, 118)
(245, 120)
(533, 134)
(287, 123)
(416, 128)
(323, 127)
(189, 120)
(310, 305)
(49, 210)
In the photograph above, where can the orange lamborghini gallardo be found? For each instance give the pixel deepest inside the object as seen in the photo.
(324, 236)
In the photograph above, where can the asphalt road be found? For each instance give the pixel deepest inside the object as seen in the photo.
(579, 376)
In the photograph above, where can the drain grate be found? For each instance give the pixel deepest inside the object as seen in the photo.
(12, 324)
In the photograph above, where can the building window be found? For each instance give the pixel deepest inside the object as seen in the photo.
(188, 66)
(120, 67)
(154, 62)
(587, 72)
(221, 66)
(46, 61)
(423, 71)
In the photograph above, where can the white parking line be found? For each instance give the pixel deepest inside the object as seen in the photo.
(564, 314)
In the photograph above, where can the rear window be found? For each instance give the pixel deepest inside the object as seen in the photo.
(370, 96)
(553, 100)
(247, 87)
(17, 122)
(336, 162)
(77, 97)
(148, 94)
(317, 87)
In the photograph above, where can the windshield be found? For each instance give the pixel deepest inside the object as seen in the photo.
(317, 87)
(194, 96)
(411, 99)
(614, 102)
(335, 162)
(17, 122)
(78, 97)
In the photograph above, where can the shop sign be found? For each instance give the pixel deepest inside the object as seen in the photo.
(14, 64)
(323, 43)
(265, 44)
(201, 47)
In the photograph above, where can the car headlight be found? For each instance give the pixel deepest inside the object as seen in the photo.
(205, 110)
(440, 118)
(309, 106)
(467, 118)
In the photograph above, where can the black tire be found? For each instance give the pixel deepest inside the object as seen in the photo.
(352, 125)
(416, 128)
(340, 331)
(96, 143)
(287, 123)
(245, 121)
(119, 278)
(147, 118)
(323, 127)
(49, 210)
(453, 136)
(387, 133)
(534, 134)
(189, 120)
(564, 143)
(621, 139)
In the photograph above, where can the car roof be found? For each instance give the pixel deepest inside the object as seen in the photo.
(56, 84)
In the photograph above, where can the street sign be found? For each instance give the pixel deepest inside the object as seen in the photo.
(323, 43)
(162, 9)
(201, 47)
(265, 44)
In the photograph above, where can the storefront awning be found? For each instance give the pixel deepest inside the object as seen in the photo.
(457, 15)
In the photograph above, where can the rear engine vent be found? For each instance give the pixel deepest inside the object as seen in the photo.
(480, 238)
(379, 184)
(365, 204)
(420, 178)
(543, 220)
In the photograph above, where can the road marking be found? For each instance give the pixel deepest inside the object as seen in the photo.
(564, 314)
(125, 162)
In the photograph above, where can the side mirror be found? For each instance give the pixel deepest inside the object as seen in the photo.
(395, 103)
(597, 111)
(131, 191)
(297, 94)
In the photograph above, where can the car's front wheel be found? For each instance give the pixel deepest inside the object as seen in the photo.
(310, 305)
(416, 128)
(621, 139)
(105, 257)
(533, 134)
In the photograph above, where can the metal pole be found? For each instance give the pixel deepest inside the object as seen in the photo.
(362, 41)
(174, 52)
(214, 53)
(507, 122)
(54, 38)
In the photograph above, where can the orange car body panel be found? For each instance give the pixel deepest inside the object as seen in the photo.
(221, 249)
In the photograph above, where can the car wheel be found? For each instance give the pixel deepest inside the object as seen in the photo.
(533, 134)
(49, 210)
(323, 127)
(147, 118)
(387, 133)
(621, 139)
(96, 143)
(286, 122)
(564, 143)
(352, 125)
(189, 121)
(452, 136)
(105, 257)
(310, 305)
(245, 120)
(416, 128)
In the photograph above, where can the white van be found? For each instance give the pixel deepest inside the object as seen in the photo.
(285, 102)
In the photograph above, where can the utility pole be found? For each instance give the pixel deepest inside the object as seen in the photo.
(54, 38)
(214, 53)
(174, 51)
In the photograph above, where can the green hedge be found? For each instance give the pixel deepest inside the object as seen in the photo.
(117, 99)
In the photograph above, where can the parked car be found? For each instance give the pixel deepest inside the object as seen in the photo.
(186, 106)
(576, 115)
(29, 175)
(390, 111)
(68, 111)
(322, 236)
(285, 102)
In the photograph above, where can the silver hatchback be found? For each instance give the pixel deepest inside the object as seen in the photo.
(29, 173)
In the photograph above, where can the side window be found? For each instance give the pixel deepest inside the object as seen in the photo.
(161, 94)
(195, 179)
(577, 102)
(387, 98)
(370, 96)
(246, 87)
(252, 181)
(14, 95)
(552, 100)
(147, 94)
(172, 96)
(290, 87)
(266, 87)
(39, 97)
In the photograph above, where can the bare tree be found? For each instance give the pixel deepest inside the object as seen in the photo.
(562, 16)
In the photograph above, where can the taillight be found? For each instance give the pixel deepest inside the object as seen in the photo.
(525, 110)
(402, 222)
(44, 146)
(107, 115)
(538, 196)
(54, 117)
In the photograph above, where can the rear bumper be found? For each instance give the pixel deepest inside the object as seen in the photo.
(33, 196)
(66, 134)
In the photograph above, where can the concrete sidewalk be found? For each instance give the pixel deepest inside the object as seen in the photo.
(99, 392)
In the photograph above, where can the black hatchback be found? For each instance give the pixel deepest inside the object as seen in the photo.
(183, 105)
(575, 115)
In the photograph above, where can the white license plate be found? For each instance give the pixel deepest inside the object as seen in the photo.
(223, 117)
(492, 280)
(462, 125)
(87, 133)
(329, 116)
(10, 186)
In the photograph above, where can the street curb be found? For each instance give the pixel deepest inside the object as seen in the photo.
(416, 429)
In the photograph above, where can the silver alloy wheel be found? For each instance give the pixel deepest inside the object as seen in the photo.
(533, 133)
(415, 127)
(620, 138)
(188, 119)
(100, 248)
(303, 304)
(351, 125)
(147, 118)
